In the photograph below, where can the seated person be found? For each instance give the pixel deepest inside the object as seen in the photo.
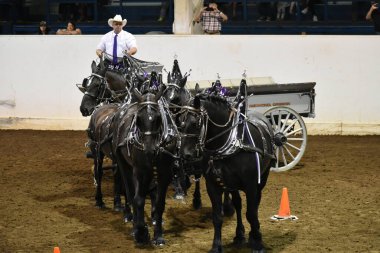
(70, 29)
(43, 28)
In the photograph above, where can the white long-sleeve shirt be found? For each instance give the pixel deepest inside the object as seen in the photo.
(125, 41)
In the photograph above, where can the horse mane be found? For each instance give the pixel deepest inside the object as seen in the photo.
(214, 99)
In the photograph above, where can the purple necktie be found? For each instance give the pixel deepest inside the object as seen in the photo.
(114, 60)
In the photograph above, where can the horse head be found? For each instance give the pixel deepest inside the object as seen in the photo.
(148, 120)
(176, 93)
(220, 118)
(176, 96)
(95, 89)
(192, 127)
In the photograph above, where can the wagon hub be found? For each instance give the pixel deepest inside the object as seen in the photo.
(280, 139)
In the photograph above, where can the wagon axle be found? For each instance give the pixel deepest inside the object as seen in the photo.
(280, 139)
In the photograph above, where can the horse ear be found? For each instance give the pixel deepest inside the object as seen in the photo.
(159, 93)
(197, 102)
(169, 78)
(243, 88)
(183, 82)
(197, 89)
(138, 95)
(101, 63)
(93, 66)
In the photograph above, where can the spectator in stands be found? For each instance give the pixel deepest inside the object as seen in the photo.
(43, 29)
(211, 18)
(308, 8)
(70, 29)
(374, 15)
(117, 42)
(163, 10)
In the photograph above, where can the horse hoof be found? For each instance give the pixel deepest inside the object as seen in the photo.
(239, 241)
(218, 249)
(100, 205)
(159, 241)
(128, 217)
(142, 236)
(118, 208)
(257, 246)
(259, 251)
(178, 196)
(154, 222)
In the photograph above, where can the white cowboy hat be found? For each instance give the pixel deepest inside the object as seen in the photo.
(117, 18)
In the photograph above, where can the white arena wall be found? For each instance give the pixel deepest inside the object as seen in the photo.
(39, 73)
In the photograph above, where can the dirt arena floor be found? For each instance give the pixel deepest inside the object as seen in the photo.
(47, 200)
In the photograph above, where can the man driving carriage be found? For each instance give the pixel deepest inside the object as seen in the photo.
(116, 43)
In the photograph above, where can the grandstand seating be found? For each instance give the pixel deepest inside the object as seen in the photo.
(335, 17)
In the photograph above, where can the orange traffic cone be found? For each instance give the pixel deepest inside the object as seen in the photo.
(56, 250)
(284, 212)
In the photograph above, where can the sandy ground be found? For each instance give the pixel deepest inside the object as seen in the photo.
(47, 200)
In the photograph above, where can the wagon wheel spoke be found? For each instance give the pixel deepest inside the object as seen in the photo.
(290, 136)
(292, 124)
(293, 132)
(289, 153)
(279, 120)
(288, 144)
(273, 121)
(277, 153)
(295, 139)
(285, 122)
(283, 156)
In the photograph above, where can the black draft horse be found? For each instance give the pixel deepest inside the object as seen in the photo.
(97, 91)
(104, 92)
(237, 156)
(178, 96)
(145, 153)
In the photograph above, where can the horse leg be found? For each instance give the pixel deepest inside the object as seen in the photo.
(153, 200)
(197, 201)
(253, 196)
(179, 194)
(215, 194)
(228, 208)
(117, 206)
(126, 174)
(98, 174)
(141, 232)
(240, 230)
(162, 188)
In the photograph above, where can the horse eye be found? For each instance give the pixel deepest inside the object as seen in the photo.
(182, 124)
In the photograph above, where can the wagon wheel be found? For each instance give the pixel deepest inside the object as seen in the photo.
(290, 137)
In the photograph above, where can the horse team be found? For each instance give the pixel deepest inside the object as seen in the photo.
(156, 133)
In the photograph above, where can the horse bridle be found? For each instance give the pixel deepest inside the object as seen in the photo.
(136, 139)
(175, 87)
(202, 119)
(99, 96)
